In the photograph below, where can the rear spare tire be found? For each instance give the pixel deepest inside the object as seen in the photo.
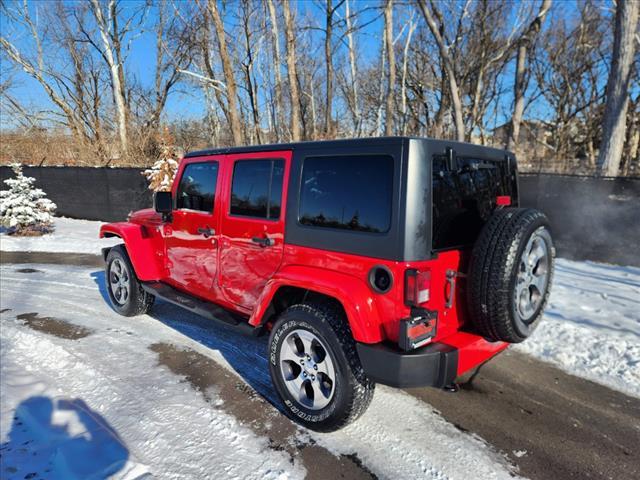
(510, 274)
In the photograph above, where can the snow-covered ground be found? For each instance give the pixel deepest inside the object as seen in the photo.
(70, 235)
(100, 393)
(591, 327)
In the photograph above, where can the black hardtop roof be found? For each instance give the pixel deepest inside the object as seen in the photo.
(329, 144)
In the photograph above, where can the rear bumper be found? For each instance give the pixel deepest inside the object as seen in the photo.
(434, 365)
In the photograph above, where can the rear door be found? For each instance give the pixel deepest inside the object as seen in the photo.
(252, 224)
(191, 237)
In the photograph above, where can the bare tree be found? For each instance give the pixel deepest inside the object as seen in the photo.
(292, 72)
(229, 75)
(487, 48)
(77, 102)
(403, 82)
(113, 56)
(391, 83)
(448, 75)
(275, 38)
(330, 11)
(252, 48)
(568, 69)
(615, 113)
(381, 91)
(354, 101)
(428, 12)
(173, 54)
(520, 82)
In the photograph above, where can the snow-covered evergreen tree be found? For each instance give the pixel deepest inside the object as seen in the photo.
(162, 173)
(24, 209)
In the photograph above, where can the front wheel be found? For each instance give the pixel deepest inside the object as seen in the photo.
(126, 295)
(315, 368)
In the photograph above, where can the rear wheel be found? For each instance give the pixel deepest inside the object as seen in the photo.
(315, 368)
(510, 274)
(126, 295)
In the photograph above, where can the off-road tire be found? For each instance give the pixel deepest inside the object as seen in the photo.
(353, 389)
(493, 274)
(138, 301)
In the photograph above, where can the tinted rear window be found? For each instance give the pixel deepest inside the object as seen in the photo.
(347, 192)
(197, 187)
(464, 199)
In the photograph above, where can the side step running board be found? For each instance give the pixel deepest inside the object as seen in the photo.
(201, 307)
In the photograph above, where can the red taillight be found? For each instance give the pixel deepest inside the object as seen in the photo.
(416, 287)
(503, 200)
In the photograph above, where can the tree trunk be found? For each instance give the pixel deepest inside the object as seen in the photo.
(117, 49)
(383, 60)
(275, 35)
(357, 116)
(388, 32)
(292, 72)
(454, 91)
(114, 70)
(252, 86)
(521, 73)
(229, 77)
(438, 121)
(328, 112)
(312, 100)
(632, 144)
(615, 110)
(403, 90)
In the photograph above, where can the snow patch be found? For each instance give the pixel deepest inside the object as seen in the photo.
(402, 437)
(69, 236)
(591, 327)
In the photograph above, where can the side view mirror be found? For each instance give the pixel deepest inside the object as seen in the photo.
(163, 203)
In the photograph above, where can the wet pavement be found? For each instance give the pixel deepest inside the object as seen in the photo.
(55, 258)
(54, 326)
(551, 424)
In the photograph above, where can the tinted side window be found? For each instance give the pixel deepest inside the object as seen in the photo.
(256, 190)
(347, 192)
(197, 187)
(277, 178)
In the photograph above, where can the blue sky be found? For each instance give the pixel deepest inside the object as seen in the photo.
(141, 60)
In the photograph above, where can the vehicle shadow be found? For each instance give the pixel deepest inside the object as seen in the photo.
(246, 355)
(58, 438)
(101, 282)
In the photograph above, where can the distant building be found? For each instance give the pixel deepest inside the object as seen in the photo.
(534, 144)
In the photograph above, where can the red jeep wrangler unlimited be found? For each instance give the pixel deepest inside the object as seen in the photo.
(402, 261)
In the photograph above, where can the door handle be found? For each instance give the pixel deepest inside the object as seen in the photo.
(207, 232)
(264, 242)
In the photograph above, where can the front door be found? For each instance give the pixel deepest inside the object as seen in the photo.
(252, 225)
(191, 238)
